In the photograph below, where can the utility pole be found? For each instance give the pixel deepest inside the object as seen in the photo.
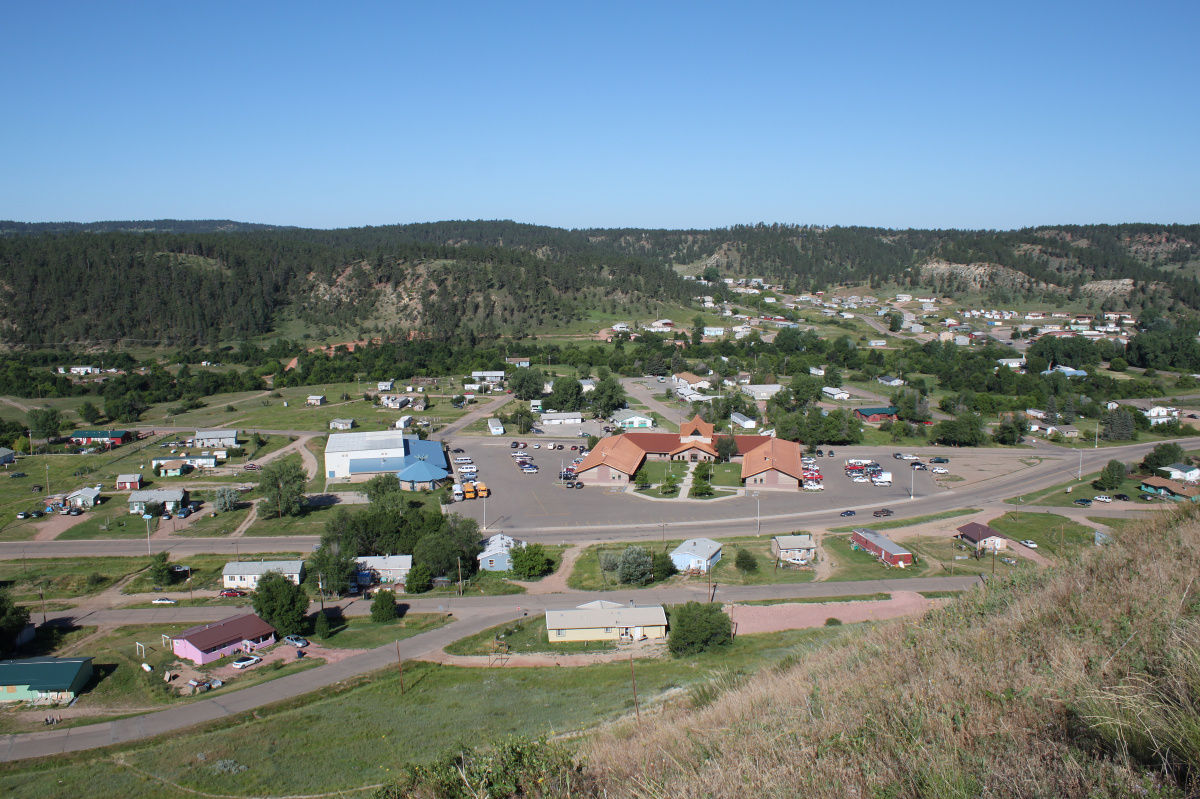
(400, 666)
(633, 678)
(459, 559)
(758, 516)
(1081, 464)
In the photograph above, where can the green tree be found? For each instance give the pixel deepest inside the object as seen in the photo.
(636, 566)
(321, 625)
(964, 430)
(282, 485)
(895, 322)
(383, 606)
(281, 603)
(697, 628)
(641, 480)
(726, 447)
(745, 561)
(567, 395)
(531, 562)
(455, 541)
(664, 567)
(1162, 455)
(13, 619)
(1118, 364)
(44, 422)
(1111, 477)
(697, 330)
(1011, 429)
(1118, 425)
(526, 384)
(160, 569)
(89, 412)
(419, 579)
(608, 396)
(226, 499)
(381, 486)
(331, 568)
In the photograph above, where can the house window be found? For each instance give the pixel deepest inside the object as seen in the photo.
(608, 629)
(491, 562)
(560, 633)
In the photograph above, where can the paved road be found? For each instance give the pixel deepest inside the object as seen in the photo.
(473, 614)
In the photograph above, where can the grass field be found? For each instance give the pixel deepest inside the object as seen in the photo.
(1055, 535)
(362, 633)
(1057, 496)
(362, 732)
(62, 578)
(103, 523)
(524, 636)
(850, 564)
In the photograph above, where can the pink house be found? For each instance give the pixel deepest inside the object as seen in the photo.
(209, 642)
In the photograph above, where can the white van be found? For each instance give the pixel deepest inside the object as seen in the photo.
(463, 460)
(468, 468)
(458, 492)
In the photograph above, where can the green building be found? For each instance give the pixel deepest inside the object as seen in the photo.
(56, 679)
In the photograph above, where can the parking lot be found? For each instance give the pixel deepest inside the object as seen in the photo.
(521, 501)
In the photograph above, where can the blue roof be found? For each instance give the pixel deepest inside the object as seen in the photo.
(372, 465)
(431, 450)
(422, 472)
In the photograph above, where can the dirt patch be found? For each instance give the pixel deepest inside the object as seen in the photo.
(775, 618)
(286, 654)
(645, 649)
(55, 526)
(555, 583)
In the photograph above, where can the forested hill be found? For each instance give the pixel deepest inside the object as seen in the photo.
(176, 283)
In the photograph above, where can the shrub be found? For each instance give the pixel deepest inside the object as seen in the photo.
(664, 567)
(745, 561)
(697, 627)
(321, 626)
(636, 566)
(419, 579)
(383, 606)
(833, 622)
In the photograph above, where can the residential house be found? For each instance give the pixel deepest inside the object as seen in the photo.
(620, 327)
(714, 332)
(1159, 415)
(519, 361)
(85, 370)
(393, 402)
(84, 498)
(587, 385)
(1170, 489)
(763, 391)
(1181, 471)
(44, 679)
(817, 371)
(245, 574)
(632, 419)
(962, 341)
(835, 393)
(1012, 363)
(315, 399)
(882, 547)
(385, 385)
(497, 553)
(696, 555)
(385, 569)
(487, 377)
(982, 537)
(799, 549)
(1066, 370)
(1111, 405)
(129, 482)
(216, 439)
(888, 380)
(602, 620)
(877, 342)
(694, 382)
(903, 298)
(1064, 430)
(495, 426)
(881, 414)
(173, 467)
(205, 643)
(341, 424)
(7, 456)
(169, 499)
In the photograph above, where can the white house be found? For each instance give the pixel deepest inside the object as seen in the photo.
(888, 380)
(495, 427)
(587, 385)
(341, 424)
(84, 370)
(1158, 414)
(835, 393)
(1181, 471)
(246, 574)
(85, 498)
(762, 392)
(169, 498)
(877, 342)
(632, 419)
(215, 438)
(817, 371)
(903, 298)
(714, 332)
(383, 569)
(696, 554)
(562, 418)
(1012, 363)
(315, 399)
(794, 548)
(487, 377)
(745, 422)
(519, 361)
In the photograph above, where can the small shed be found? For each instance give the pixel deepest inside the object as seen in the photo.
(341, 424)
(129, 482)
(315, 399)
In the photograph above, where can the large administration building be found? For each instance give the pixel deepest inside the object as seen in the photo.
(413, 460)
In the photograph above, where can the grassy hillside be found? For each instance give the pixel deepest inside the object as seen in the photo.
(1070, 683)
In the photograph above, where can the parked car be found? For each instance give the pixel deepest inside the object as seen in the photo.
(1148, 497)
(820, 453)
(847, 513)
(522, 445)
(1083, 503)
(231, 593)
(861, 479)
(829, 454)
(1102, 498)
(579, 485)
(939, 460)
(245, 661)
(251, 467)
(537, 446)
(883, 512)
(458, 450)
(163, 600)
(295, 640)
(18, 474)
(75, 512)
(514, 445)
(166, 517)
(36, 514)
(919, 467)
(1028, 543)
(1121, 497)
(22, 515)
(570, 484)
(940, 470)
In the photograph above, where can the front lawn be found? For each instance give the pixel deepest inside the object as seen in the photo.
(525, 635)
(1054, 534)
(361, 633)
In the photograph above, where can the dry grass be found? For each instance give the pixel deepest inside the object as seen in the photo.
(1077, 682)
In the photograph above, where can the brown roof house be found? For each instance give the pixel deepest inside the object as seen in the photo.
(774, 464)
(208, 642)
(982, 537)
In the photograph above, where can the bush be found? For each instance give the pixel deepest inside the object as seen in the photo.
(697, 627)
(419, 579)
(636, 566)
(531, 562)
(833, 622)
(609, 561)
(664, 567)
(745, 561)
(321, 625)
(383, 606)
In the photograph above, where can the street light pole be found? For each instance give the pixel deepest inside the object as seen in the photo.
(912, 483)
(1080, 464)
(758, 516)
(148, 536)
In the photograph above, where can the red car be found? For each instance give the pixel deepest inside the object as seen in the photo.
(231, 592)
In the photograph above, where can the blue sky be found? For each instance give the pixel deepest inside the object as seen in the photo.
(615, 114)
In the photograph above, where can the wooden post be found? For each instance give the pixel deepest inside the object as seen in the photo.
(400, 666)
(633, 677)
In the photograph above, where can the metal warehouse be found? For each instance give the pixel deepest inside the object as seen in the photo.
(386, 451)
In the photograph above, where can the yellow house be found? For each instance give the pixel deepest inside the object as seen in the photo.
(602, 620)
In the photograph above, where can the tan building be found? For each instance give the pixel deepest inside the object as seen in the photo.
(775, 464)
(602, 620)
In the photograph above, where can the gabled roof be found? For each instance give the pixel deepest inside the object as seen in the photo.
(215, 433)
(261, 567)
(158, 495)
(384, 562)
(590, 617)
(43, 673)
(617, 452)
(621, 416)
(422, 472)
(976, 532)
(783, 456)
(889, 410)
(129, 478)
(1179, 467)
(235, 628)
(703, 548)
(795, 542)
(696, 427)
(703, 446)
(1171, 485)
(882, 541)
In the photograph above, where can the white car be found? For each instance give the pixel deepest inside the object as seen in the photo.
(940, 470)
(1101, 498)
(245, 661)
(861, 480)
(537, 446)
(1030, 544)
(163, 600)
